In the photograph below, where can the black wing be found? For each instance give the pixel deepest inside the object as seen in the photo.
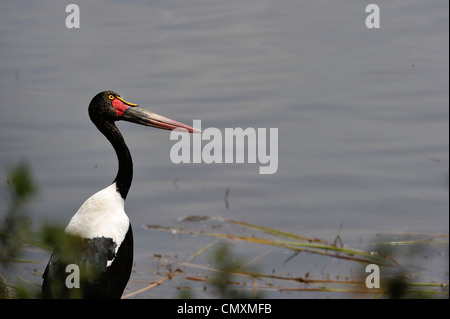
(78, 268)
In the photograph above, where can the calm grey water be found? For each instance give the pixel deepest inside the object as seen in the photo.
(362, 116)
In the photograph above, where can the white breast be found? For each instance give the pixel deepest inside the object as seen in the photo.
(102, 214)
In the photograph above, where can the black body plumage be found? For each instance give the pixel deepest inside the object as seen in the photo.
(95, 280)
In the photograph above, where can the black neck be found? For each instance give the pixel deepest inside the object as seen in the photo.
(125, 172)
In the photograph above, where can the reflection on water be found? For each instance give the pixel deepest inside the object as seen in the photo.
(362, 114)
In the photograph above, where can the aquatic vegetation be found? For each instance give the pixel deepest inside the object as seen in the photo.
(219, 269)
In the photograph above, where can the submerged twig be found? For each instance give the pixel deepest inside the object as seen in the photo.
(153, 284)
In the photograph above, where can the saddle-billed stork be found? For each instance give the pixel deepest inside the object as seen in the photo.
(101, 239)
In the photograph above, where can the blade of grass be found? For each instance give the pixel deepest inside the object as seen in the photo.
(275, 232)
(200, 251)
(320, 249)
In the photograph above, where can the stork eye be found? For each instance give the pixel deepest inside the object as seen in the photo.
(111, 97)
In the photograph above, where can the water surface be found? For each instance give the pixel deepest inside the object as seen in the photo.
(362, 117)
